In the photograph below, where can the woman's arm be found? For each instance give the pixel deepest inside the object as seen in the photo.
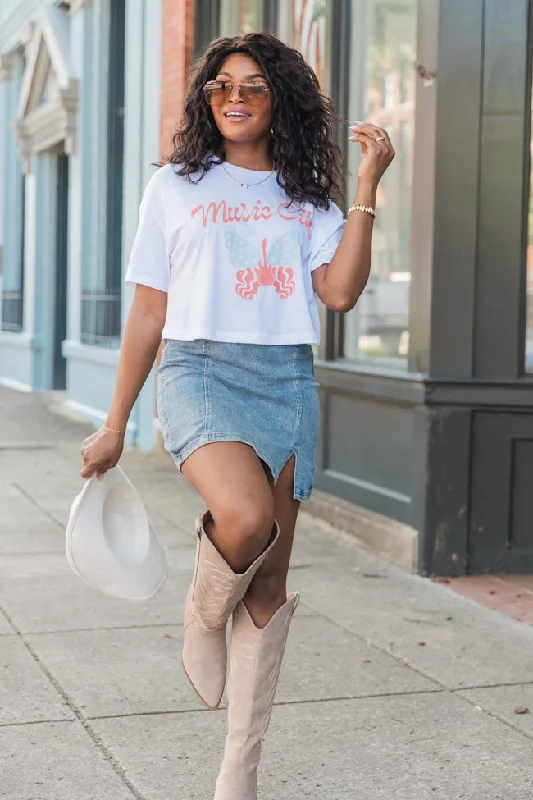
(142, 337)
(340, 283)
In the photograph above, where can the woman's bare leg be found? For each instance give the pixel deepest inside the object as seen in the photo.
(230, 478)
(258, 640)
(232, 544)
(268, 590)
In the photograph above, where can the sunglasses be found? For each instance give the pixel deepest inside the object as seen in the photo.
(218, 92)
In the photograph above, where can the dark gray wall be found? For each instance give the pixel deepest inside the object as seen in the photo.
(449, 447)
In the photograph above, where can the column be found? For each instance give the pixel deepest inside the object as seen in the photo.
(143, 73)
(79, 192)
(44, 165)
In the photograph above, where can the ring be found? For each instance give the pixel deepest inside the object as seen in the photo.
(380, 138)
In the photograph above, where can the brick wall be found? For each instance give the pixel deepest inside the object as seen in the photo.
(176, 54)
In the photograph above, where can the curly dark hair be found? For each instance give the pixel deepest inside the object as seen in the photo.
(303, 150)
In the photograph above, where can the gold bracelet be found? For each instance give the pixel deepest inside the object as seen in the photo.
(366, 209)
(111, 430)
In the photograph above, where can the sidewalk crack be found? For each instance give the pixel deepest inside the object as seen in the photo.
(37, 505)
(104, 750)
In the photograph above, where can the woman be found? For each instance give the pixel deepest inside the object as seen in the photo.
(237, 237)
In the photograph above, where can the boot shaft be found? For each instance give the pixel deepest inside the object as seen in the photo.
(211, 599)
(255, 664)
(216, 587)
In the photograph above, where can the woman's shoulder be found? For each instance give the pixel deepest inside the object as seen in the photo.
(329, 214)
(163, 183)
(165, 175)
(174, 175)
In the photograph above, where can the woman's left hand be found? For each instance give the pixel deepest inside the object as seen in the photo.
(378, 151)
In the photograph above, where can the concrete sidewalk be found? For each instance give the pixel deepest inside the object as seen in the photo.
(393, 687)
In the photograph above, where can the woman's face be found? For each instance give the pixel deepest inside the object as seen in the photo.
(239, 119)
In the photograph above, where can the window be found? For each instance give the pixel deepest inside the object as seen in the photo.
(101, 309)
(207, 16)
(247, 16)
(12, 249)
(270, 16)
(304, 25)
(241, 16)
(11, 314)
(382, 90)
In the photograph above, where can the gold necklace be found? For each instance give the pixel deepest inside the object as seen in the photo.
(247, 185)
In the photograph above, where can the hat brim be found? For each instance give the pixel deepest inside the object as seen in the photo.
(136, 578)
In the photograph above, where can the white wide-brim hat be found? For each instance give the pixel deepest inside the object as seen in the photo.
(111, 543)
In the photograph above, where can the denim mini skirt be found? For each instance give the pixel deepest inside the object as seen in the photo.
(262, 395)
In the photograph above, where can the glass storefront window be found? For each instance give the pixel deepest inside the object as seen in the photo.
(243, 16)
(250, 16)
(302, 24)
(308, 34)
(382, 90)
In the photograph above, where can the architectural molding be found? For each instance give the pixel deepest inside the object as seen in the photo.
(48, 100)
(14, 21)
(21, 340)
(16, 385)
(91, 353)
(6, 66)
(26, 33)
(80, 5)
(51, 123)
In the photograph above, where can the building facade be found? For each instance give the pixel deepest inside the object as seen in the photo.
(77, 79)
(426, 385)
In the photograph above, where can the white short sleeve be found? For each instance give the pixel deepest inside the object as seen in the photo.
(328, 227)
(149, 263)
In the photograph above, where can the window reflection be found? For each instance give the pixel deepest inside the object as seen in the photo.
(250, 16)
(383, 91)
(309, 27)
(243, 16)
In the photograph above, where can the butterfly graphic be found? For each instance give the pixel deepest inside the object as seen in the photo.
(271, 269)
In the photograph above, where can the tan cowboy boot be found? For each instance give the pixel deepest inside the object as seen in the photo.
(213, 594)
(255, 664)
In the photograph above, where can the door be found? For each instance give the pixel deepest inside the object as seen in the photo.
(501, 528)
(60, 304)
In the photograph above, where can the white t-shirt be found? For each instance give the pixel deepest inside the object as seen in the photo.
(236, 262)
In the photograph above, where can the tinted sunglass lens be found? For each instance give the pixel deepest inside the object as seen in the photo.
(215, 95)
(218, 94)
(254, 94)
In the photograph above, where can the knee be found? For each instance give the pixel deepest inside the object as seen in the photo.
(248, 522)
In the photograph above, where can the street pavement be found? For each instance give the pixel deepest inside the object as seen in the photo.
(393, 686)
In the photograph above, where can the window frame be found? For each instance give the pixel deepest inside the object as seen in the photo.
(527, 196)
(207, 24)
(332, 346)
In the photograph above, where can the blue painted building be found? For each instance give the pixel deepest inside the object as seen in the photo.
(79, 129)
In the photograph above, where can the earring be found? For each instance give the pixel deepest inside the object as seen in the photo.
(272, 131)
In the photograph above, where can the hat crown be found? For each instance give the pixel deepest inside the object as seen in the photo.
(125, 525)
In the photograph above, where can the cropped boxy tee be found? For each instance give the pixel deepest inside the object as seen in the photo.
(236, 262)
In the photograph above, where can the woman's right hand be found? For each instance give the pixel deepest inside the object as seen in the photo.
(101, 452)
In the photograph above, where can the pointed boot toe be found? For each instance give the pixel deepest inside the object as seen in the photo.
(204, 657)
